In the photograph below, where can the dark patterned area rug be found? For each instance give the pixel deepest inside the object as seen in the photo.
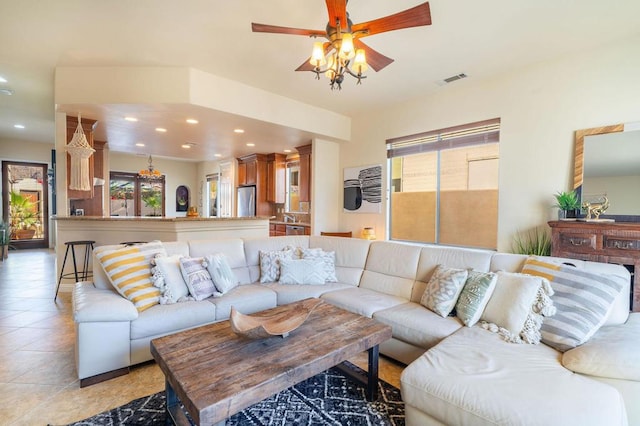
(328, 398)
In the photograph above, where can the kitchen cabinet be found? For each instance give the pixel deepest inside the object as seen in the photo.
(608, 242)
(276, 178)
(252, 170)
(305, 172)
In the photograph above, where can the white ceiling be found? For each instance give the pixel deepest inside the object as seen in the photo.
(480, 38)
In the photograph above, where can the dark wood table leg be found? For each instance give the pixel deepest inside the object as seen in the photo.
(372, 374)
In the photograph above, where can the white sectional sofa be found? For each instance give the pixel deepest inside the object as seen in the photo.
(455, 374)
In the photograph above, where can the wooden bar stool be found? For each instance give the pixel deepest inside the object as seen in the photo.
(84, 273)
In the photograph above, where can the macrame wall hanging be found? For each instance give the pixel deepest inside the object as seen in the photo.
(79, 150)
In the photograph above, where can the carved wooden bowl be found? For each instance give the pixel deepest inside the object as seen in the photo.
(268, 324)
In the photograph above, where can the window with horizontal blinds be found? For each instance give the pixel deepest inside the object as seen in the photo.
(477, 133)
(444, 185)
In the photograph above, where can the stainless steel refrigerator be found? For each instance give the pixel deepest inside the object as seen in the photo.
(246, 197)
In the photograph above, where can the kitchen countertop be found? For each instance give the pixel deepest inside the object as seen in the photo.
(281, 222)
(157, 218)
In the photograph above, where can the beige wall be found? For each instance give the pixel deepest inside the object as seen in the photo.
(540, 108)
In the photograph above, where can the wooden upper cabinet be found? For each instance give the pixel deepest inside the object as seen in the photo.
(305, 172)
(242, 173)
(276, 178)
(88, 127)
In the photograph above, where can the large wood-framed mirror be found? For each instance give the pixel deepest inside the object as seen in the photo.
(607, 162)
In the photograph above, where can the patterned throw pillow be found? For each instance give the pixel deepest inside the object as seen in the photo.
(475, 295)
(197, 278)
(167, 276)
(223, 277)
(328, 259)
(443, 289)
(516, 307)
(302, 271)
(270, 264)
(583, 301)
(129, 271)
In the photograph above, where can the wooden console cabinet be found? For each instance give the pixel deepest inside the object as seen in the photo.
(608, 242)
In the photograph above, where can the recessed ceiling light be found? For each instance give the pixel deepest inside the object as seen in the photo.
(192, 121)
(287, 151)
(133, 119)
(251, 144)
(161, 129)
(2, 79)
(186, 146)
(19, 126)
(7, 92)
(238, 130)
(139, 144)
(217, 155)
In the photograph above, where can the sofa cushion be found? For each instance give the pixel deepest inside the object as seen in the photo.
(164, 319)
(233, 249)
(247, 299)
(475, 295)
(613, 352)
(517, 305)
(443, 289)
(454, 257)
(413, 323)
(391, 268)
(270, 264)
(362, 301)
(295, 292)
(475, 378)
(351, 256)
(583, 301)
(129, 270)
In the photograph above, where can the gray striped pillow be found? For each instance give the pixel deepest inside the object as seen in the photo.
(582, 299)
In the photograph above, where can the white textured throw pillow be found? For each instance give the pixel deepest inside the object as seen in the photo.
(328, 259)
(221, 273)
(443, 289)
(270, 264)
(197, 278)
(516, 307)
(302, 271)
(167, 276)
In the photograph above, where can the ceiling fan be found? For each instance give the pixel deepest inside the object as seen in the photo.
(343, 52)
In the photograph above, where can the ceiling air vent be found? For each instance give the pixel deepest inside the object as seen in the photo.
(451, 79)
(6, 92)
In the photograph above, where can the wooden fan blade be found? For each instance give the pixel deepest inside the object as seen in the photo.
(376, 60)
(264, 28)
(337, 9)
(414, 17)
(306, 66)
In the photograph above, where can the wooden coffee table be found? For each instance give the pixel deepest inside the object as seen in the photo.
(216, 373)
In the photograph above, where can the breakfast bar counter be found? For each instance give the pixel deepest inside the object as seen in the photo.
(106, 230)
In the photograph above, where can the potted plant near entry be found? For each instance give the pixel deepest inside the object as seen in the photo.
(23, 217)
(568, 203)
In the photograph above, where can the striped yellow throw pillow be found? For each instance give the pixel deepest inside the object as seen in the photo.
(129, 270)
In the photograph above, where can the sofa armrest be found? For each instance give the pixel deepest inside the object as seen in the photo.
(613, 352)
(91, 304)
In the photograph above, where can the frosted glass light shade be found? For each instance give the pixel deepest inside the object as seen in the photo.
(317, 55)
(346, 47)
(360, 65)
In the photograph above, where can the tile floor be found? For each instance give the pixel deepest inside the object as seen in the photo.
(38, 383)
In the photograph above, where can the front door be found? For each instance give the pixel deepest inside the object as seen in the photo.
(25, 204)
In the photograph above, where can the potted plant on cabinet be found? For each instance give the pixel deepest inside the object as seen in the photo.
(568, 203)
(23, 216)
